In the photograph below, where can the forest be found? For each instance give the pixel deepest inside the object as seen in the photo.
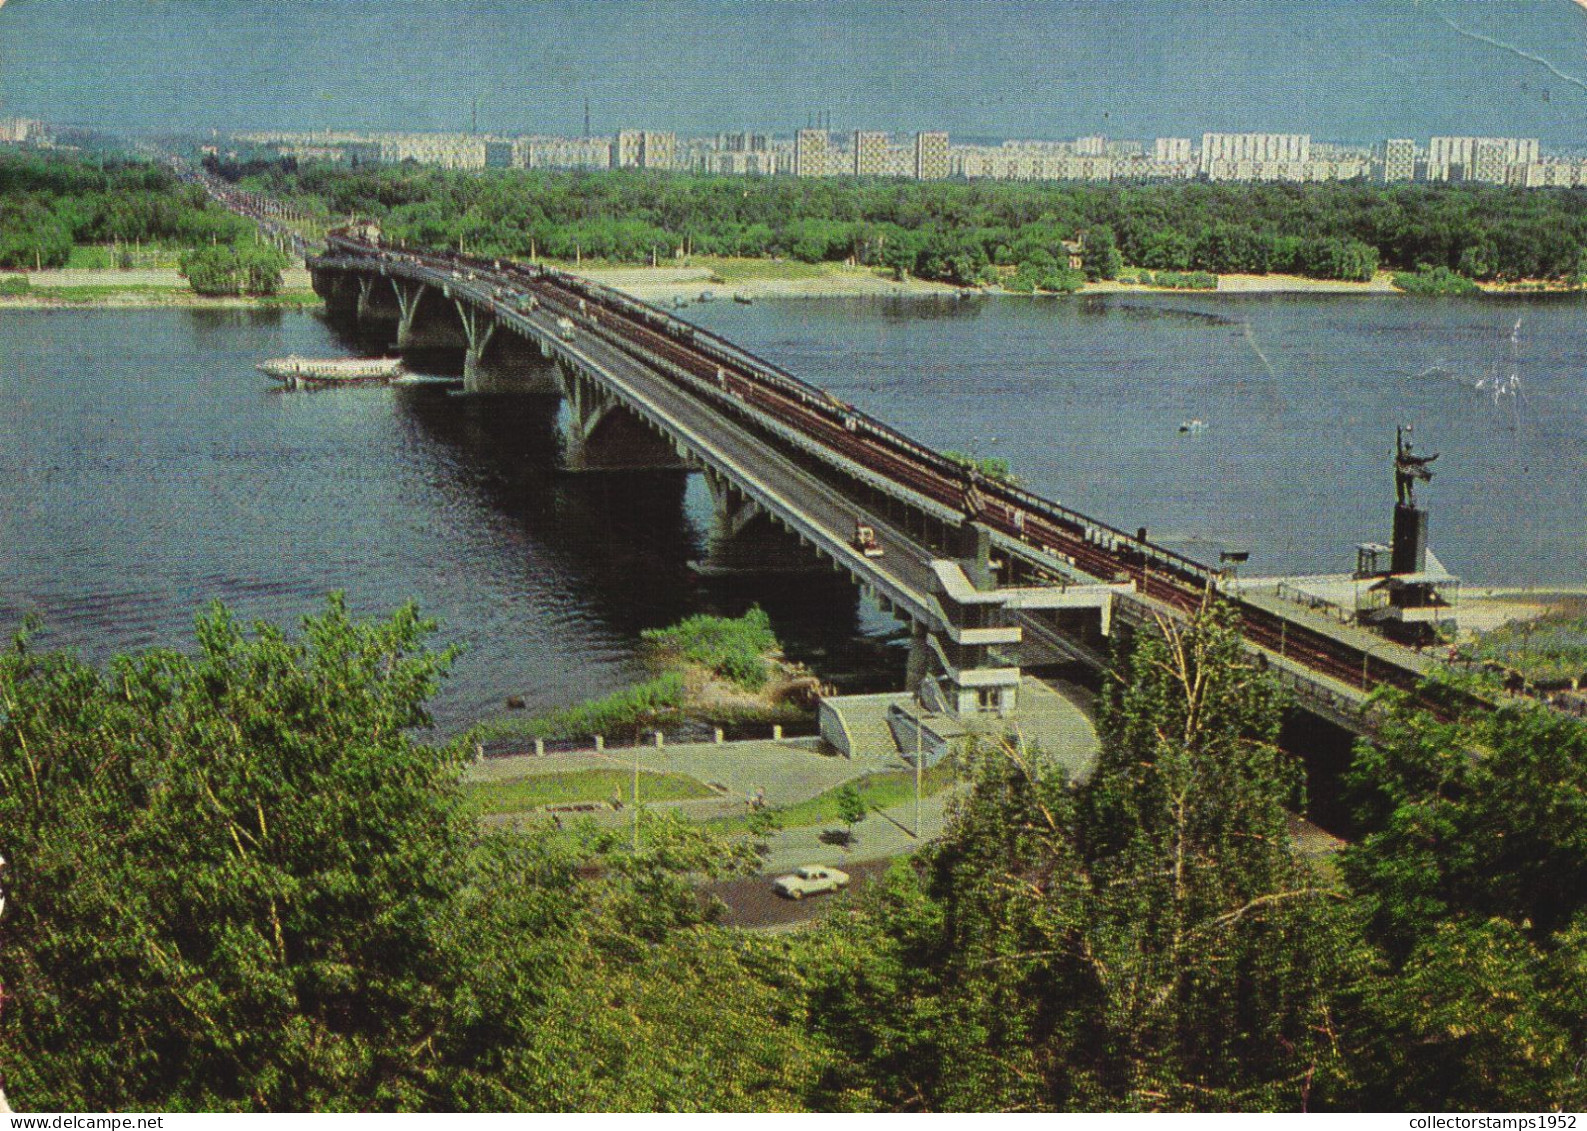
(964, 233)
(51, 203)
(239, 878)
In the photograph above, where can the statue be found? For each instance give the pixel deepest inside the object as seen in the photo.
(1408, 467)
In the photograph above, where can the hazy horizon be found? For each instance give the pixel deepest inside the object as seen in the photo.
(1347, 70)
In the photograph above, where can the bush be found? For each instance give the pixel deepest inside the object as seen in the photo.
(15, 285)
(654, 701)
(990, 466)
(1187, 280)
(225, 269)
(1435, 281)
(734, 649)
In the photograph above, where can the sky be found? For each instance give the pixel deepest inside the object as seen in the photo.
(1351, 70)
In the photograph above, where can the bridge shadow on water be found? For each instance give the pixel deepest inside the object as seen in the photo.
(621, 545)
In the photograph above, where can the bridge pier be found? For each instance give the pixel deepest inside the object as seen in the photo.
(374, 303)
(339, 290)
(503, 362)
(419, 325)
(478, 329)
(744, 539)
(603, 434)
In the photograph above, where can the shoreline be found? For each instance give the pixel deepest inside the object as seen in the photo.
(112, 288)
(143, 299)
(145, 288)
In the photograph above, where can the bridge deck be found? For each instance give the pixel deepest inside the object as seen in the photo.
(665, 376)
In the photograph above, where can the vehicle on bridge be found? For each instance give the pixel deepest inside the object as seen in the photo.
(865, 540)
(810, 879)
(565, 328)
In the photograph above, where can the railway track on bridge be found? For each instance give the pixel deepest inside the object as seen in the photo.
(742, 385)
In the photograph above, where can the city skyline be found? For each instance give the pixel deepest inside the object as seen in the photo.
(1361, 69)
(930, 155)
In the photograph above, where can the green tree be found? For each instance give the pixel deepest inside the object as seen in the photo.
(212, 271)
(851, 806)
(236, 881)
(1475, 871)
(1102, 258)
(1150, 939)
(224, 870)
(222, 269)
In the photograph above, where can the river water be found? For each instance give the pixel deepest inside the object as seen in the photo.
(148, 468)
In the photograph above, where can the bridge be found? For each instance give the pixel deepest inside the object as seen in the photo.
(983, 571)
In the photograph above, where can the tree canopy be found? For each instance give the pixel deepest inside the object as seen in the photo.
(239, 879)
(961, 232)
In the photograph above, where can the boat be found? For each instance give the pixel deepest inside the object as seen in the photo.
(300, 372)
(744, 297)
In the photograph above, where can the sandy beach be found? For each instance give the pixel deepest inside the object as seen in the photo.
(756, 279)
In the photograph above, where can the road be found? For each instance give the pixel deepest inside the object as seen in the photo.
(752, 904)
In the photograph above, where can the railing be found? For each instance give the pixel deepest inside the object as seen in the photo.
(1091, 546)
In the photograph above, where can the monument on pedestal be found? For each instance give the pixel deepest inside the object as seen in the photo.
(1409, 545)
(1413, 600)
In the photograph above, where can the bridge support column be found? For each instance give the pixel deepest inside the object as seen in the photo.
(366, 288)
(602, 434)
(499, 361)
(479, 328)
(423, 322)
(744, 539)
(409, 295)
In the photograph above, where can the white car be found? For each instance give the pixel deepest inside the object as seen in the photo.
(810, 879)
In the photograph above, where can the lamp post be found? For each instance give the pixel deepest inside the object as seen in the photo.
(920, 726)
(636, 797)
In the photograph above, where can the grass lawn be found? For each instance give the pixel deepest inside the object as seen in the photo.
(519, 795)
(1553, 647)
(878, 791)
(101, 257)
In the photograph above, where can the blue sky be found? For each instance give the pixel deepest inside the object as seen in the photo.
(1346, 69)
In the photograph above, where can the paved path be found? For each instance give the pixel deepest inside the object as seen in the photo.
(789, 771)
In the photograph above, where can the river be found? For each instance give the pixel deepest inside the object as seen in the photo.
(149, 468)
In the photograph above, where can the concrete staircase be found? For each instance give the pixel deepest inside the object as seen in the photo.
(857, 727)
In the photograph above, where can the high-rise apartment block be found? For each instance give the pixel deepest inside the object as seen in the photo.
(1478, 158)
(1396, 161)
(741, 142)
(870, 153)
(1171, 149)
(644, 149)
(1255, 148)
(810, 153)
(931, 156)
(448, 151)
(562, 152)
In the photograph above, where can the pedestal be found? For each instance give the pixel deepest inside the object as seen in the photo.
(1409, 551)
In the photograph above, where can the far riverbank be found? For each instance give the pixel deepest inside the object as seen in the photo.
(144, 288)
(672, 284)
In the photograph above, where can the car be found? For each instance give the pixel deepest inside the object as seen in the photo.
(810, 879)
(865, 540)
